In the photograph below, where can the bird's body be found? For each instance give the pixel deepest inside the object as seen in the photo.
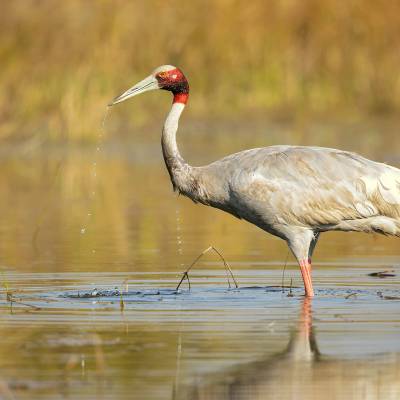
(292, 192)
(313, 188)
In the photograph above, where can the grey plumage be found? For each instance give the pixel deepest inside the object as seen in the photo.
(297, 192)
(313, 188)
(292, 192)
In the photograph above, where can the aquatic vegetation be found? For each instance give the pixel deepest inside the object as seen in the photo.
(287, 58)
(226, 265)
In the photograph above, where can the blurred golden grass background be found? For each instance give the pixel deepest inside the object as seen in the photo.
(61, 62)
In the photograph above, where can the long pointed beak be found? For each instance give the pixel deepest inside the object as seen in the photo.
(149, 83)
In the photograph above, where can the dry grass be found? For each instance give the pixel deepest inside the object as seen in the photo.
(62, 61)
(228, 269)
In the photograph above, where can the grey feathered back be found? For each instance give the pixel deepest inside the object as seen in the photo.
(312, 187)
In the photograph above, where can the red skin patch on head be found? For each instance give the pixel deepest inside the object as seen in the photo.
(181, 98)
(175, 82)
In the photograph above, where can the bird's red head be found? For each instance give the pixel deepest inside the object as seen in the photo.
(172, 79)
(165, 77)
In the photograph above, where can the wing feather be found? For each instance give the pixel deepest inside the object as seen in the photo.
(312, 186)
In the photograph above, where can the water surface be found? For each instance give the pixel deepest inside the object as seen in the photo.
(95, 314)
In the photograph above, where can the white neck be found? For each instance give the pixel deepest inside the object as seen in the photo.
(170, 148)
(180, 172)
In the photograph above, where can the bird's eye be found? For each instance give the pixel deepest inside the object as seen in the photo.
(162, 74)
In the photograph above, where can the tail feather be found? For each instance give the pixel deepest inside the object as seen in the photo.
(380, 224)
(386, 226)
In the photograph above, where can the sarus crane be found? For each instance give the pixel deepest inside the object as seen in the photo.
(293, 192)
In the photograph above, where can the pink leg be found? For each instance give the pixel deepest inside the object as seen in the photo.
(306, 318)
(305, 268)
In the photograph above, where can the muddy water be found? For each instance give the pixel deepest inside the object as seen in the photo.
(96, 314)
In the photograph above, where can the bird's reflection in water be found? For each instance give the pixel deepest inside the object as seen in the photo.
(302, 372)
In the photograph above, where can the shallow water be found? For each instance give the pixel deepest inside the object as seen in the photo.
(97, 315)
(207, 343)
